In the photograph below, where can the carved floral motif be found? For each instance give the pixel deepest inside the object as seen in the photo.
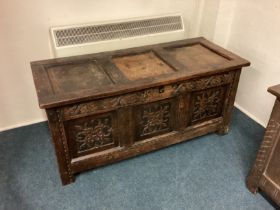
(93, 134)
(155, 118)
(207, 103)
(80, 108)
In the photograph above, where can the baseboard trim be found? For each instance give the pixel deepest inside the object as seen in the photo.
(43, 119)
(253, 117)
(22, 124)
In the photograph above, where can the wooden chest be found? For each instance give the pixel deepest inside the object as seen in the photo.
(265, 173)
(107, 107)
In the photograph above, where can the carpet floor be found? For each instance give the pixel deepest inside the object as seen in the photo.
(206, 173)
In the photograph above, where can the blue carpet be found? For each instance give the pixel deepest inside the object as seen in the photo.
(207, 173)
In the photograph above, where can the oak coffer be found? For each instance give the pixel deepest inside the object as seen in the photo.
(265, 173)
(110, 106)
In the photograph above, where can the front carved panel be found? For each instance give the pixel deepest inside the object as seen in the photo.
(207, 104)
(154, 119)
(93, 133)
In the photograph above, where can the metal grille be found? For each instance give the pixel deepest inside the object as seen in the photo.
(95, 33)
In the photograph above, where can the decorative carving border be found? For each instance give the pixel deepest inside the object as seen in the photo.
(207, 104)
(206, 82)
(155, 118)
(146, 96)
(65, 146)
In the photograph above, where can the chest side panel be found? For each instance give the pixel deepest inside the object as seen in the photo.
(273, 168)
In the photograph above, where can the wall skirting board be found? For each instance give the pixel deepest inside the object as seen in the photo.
(253, 117)
(22, 124)
(43, 119)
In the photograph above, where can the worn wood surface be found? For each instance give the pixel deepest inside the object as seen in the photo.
(265, 173)
(110, 106)
(54, 78)
(142, 65)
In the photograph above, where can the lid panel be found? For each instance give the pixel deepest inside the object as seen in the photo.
(75, 77)
(143, 65)
(197, 56)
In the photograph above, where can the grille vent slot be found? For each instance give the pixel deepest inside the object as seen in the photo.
(69, 36)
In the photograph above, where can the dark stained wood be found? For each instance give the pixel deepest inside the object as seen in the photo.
(120, 153)
(61, 146)
(52, 99)
(265, 173)
(229, 103)
(79, 76)
(155, 118)
(110, 106)
(125, 118)
(100, 126)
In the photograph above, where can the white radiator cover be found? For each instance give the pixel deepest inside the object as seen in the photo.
(113, 35)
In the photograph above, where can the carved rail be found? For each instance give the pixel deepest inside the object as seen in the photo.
(146, 96)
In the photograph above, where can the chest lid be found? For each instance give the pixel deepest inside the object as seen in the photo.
(79, 78)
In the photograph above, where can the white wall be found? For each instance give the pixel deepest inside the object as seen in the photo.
(209, 10)
(24, 37)
(251, 29)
